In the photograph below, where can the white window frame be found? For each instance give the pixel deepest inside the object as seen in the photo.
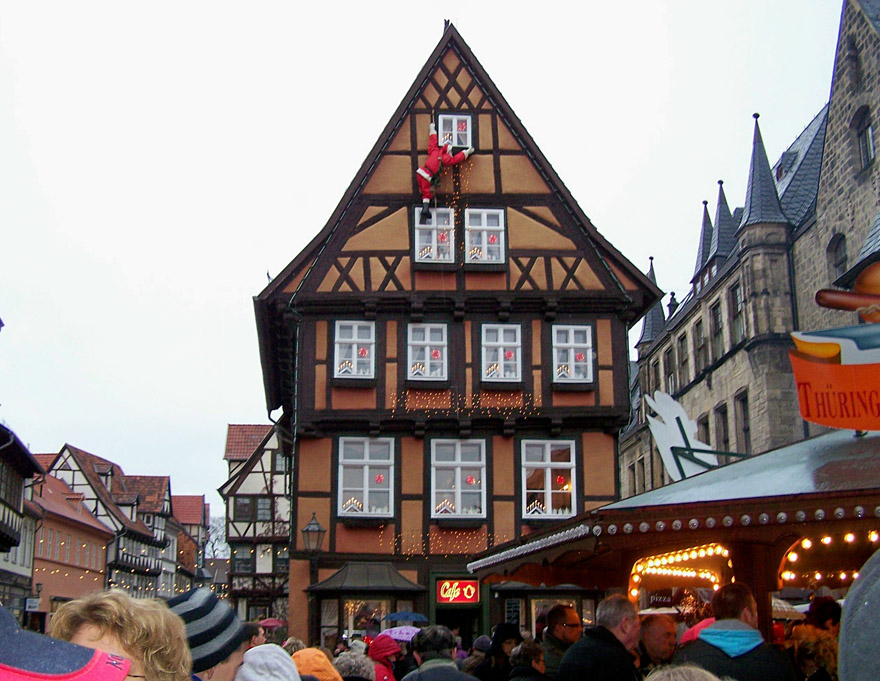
(348, 357)
(441, 511)
(370, 465)
(484, 242)
(547, 510)
(447, 130)
(496, 353)
(434, 241)
(428, 360)
(570, 355)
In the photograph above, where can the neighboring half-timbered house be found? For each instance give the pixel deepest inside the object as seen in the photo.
(154, 510)
(133, 555)
(450, 376)
(257, 522)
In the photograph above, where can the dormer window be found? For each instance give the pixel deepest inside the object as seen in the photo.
(148, 519)
(456, 129)
(434, 235)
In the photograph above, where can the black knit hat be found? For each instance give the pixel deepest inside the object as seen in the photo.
(213, 630)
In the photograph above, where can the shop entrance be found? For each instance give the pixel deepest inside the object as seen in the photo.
(466, 620)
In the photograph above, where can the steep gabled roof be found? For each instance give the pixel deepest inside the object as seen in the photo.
(762, 203)
(654, 321)
(797, 170)
(56, 498)
(46, 460)
(705, 244)
(232, 485)
(90, 465)
(188, 508)
(242, 440)
(150, 490)
(724, 234)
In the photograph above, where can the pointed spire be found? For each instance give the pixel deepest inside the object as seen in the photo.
(655, 320)
(724, 236)
(762, 203)
(705, 244)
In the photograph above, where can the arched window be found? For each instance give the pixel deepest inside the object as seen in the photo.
(864, 137)
(837, 256)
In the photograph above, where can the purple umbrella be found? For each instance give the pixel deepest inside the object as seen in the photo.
(404, 633)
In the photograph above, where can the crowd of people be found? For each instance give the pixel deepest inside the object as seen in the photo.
(110, 636)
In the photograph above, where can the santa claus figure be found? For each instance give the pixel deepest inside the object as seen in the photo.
(429, 174)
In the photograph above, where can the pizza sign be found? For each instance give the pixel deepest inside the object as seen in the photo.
(458, 591)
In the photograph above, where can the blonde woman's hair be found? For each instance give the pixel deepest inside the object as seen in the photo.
(146, 628)
(681, 672)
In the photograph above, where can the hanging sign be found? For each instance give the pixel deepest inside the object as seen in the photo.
(458, 591)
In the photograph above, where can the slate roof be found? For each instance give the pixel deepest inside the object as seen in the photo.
(654, 321)
(762, 203)
(242, 440)
(150, 491)
(724, 234)
(90, 466)
(56, 498)
(869, 254)
(871, 8)
(798, 170)
(705, 243)
(366, 577)
(188, 508)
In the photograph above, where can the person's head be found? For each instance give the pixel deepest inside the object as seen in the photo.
(256, 634)
(505, 637)
(681, 672)
(482, 644)
(433, 642)
(812, 651)
(824, 613)
(384, 649)
(528, 654)
(354, 666)
(620, 616)
(563, 623)
(143, 631)
(216, 637)
(267, 663)
(358, 646)
(315, 662)
(292, 644)
(735, 602)
(658, 637)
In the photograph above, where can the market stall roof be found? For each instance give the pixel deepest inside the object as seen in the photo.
(366, 577)
(833, 462)
(795, 483)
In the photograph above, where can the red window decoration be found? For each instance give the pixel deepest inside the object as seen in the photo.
(379, 478)
(493, 238)
(470, 479)
(560, 479)
(435, 354)
(363, 352)
(579, 357)
(442, 237)
(508, 354)
(462, 126)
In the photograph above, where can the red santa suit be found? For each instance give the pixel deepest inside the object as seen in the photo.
(437, 158)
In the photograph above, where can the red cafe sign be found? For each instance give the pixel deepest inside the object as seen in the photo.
(458, 591)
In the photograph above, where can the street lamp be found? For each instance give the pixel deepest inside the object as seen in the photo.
(313, 535)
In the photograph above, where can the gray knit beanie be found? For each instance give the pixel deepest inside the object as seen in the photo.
(213, 630)
(860, 626)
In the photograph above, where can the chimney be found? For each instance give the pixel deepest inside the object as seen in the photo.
(672, 305)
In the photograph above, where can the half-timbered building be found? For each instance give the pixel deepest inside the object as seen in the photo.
(257, 522)
(451, 375)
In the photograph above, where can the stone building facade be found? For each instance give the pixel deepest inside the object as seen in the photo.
(807, 220)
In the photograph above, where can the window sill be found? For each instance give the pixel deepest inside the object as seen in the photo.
(543, 521)
(434, 266)
(459, 523)
(572, 387)
(354, 382)
(486, 266)
(501, 386)
(426, 384)
(350, 521)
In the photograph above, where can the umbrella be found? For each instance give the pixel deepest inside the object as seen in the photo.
(271, 623)
(404, 633)
(405, 616)
(783, 610)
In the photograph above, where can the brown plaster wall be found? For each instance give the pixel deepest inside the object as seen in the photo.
(390, 383)
(485, 281)
(352, 398)
(506, 140)
(457, 541)
(411, 535)
(401, 142)
(599, 454)
(314, 466)
(320, 386)
(305, 508)
(537, 326)
(604, 345)
(412, 454)
(393, 175)
(393, 229)
(434, 281)
(478, 175)
(574, 399)
(504, 519)
(487, 141)
(526, 233)
(501, 398)
(428, 399)
(365, 539)
(518, 176)
(502, 465)
(606, 387)
(298, 601)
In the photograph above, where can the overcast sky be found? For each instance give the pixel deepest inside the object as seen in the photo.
(157, 159)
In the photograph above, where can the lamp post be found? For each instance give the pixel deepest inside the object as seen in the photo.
(313, 539)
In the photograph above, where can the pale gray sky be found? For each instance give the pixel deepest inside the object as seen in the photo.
(156, 159)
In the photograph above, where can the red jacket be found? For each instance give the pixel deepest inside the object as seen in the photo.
(381, 649)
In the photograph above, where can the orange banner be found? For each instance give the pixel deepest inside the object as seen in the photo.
(837, 395)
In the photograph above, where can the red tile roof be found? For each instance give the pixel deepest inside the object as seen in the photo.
(188, 508)
(242, 440)
(56, 498)
(150, 490)
(46, 460)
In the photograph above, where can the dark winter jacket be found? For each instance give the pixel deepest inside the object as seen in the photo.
(598, 656)
(554, 649)
(524, 672)
(496, 666)
(731, 648)
(438, 669)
